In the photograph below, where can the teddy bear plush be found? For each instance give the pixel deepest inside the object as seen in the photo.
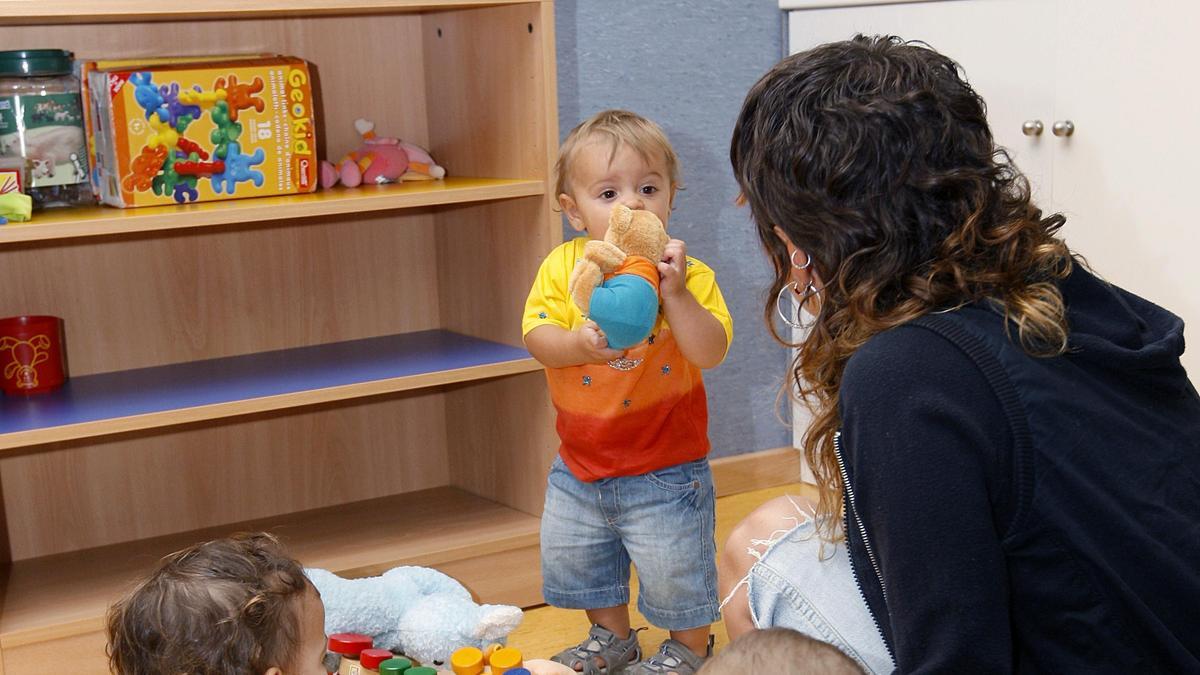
(415, 611)
(380, 159)
(616, 282)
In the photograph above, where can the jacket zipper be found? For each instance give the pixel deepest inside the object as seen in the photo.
(837, 450)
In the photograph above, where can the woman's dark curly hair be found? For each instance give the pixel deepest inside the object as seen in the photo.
(874, 157)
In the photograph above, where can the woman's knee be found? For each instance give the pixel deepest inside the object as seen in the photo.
(763, 524)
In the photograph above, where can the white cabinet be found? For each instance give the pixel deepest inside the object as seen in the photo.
(1123, 74)
(1126, 76)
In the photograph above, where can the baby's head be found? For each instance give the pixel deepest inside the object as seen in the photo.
(615, 157)
(780, 651)
(236, 605)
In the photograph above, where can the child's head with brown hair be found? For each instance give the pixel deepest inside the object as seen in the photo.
(615, 157)
(779, 651)
(240, 605)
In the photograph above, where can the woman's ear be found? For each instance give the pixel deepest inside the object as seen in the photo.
(273, 671)
(787, 242)
(571, 210)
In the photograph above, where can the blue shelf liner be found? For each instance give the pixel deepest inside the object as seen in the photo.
(106, 396)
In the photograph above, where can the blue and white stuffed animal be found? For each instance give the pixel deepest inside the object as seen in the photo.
(415, 611)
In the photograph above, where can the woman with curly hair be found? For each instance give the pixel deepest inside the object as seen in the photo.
(1006, 448)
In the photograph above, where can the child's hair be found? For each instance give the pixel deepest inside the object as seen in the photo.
(617, 126)
(779, 651)
(221, 607)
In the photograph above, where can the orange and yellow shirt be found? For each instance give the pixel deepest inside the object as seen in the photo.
(636, 414)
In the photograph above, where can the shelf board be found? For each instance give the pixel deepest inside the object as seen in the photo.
(68, 594)
(99, 221)
(85, 11)
(145, 398)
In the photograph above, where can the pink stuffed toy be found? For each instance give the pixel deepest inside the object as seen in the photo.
(380, 160)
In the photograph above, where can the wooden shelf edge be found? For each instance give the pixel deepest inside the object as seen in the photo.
(93, 624)
(107, 221)
(516, 531)
(70, 432)
(18, 12)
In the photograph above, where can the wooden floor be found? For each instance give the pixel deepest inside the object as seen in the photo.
(548, 630)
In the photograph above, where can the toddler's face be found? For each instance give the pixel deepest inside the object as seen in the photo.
(597, 185)
(309, 655)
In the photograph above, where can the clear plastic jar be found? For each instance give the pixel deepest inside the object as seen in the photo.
(42, 128)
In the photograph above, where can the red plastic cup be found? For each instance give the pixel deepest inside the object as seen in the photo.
(33, 356)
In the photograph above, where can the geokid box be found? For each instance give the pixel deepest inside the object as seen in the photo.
(178, 132)
(85, 67)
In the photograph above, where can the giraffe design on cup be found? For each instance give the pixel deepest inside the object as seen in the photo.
(27, 354)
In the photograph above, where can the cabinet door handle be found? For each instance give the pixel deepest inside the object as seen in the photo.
(1064, 128)
(1032, 128)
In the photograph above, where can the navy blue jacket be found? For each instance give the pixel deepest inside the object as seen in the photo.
(1007, 513)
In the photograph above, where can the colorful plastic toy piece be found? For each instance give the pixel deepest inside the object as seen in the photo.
(185, 192)
(147, 95)
(178, 114)
(237, 169)
(498, 658)
(170, 182)
(505, 660)
(397, 665)
(191, 167)
(144, 168)
(198, 97)
(241, 96)
(226, 132)
(164, 134)
(191, 147)
(467, 661)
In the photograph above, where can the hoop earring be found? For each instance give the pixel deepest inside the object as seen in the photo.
(807, 263)
(809, 291)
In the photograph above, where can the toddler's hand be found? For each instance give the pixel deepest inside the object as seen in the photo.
(594, 346)
(673, 269)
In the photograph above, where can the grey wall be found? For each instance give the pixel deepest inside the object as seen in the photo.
(687, 65)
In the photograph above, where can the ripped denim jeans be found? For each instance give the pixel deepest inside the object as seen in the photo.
(801, 583)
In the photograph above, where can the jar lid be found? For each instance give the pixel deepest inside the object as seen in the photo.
(351, 644)
(371, 658)
(28, 62)
(396, 666)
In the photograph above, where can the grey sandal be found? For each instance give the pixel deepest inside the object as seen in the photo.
(673, 657)
(601, 644)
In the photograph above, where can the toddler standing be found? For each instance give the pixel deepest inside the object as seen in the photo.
(631, 481)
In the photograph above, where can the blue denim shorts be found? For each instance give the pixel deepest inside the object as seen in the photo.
(662, 521)
(802, 584)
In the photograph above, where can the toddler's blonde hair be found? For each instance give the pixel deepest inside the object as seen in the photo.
(617, 127)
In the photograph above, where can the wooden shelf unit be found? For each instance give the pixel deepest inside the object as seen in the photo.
(182, 393)
(343, 368)
(100, 221)
(68, 594)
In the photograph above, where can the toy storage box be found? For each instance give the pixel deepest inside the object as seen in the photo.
(171, 133)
